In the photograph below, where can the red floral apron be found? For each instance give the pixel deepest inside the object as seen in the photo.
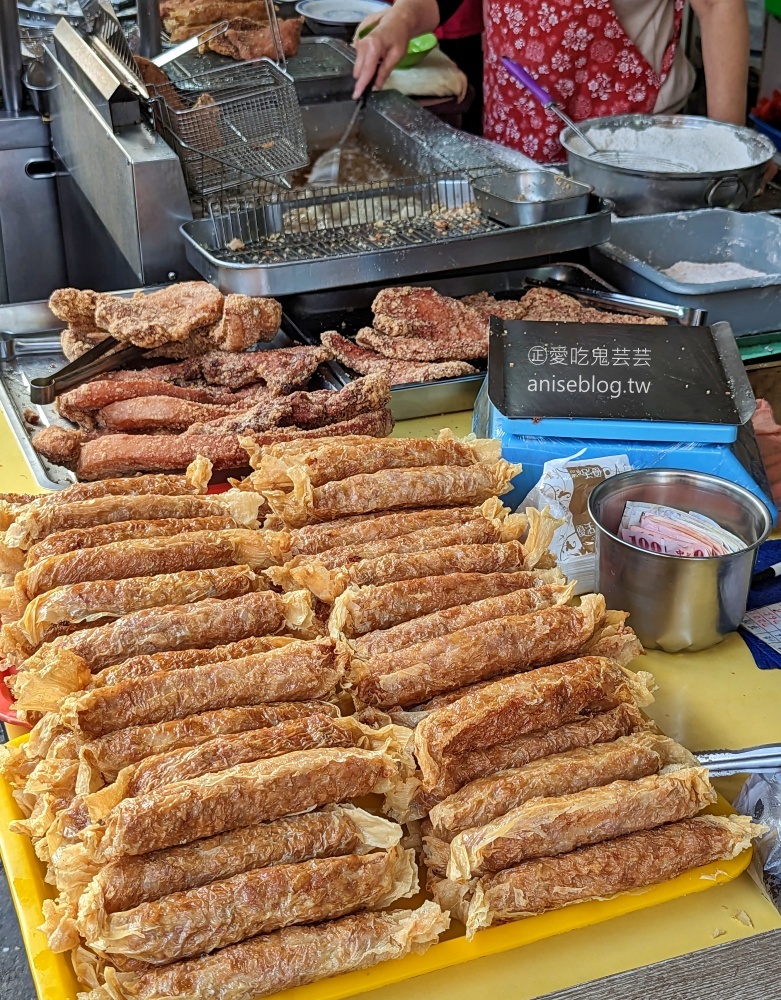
(580, 53)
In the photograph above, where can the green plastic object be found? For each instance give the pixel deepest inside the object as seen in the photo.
(417, 49)
(760, 347)
(773, 7)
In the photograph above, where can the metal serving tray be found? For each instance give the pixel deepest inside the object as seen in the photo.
(641, 248)
(306, 316)
(30, 348)
(525, 197)
(309, 272)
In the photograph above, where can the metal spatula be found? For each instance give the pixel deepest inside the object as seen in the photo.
(619, 158)
(325, 172)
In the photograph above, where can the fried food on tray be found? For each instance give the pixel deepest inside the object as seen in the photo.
(365, 361)
(246, 38)
(442, 623)
(599, 871)
(420, 349)
(85, 602)
(246, 321)
(207, 918)
(150, 414)
(187, 626)
(118, 454)
(145, 557)
(389, 489)
(290, 957)
(367, 609)
(486, 799)
(282, 370)
(543, 827)
(298, 671)
(548, 305)
(478, 652)
(70, 539)
(107, 755)
(149, 320)
(243, 796)
(35, 523)
(328, 833)
(523, 703)
(180, 13)
(422, 312)
(342, 459)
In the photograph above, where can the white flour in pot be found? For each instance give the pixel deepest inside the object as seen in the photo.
(690, 272)
(710, 149)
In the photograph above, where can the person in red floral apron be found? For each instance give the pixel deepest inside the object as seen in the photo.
(596, 57)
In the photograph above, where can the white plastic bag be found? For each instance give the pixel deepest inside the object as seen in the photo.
(760, 798)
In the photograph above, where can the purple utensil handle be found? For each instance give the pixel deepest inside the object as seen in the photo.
(527, 81)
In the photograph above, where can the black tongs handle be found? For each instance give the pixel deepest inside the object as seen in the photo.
(96, 361)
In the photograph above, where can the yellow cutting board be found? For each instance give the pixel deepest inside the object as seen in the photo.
(55, 980)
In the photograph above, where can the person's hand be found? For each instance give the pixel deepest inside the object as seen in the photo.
(380, 49)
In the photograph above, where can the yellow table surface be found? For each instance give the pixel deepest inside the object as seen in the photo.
(718, 698)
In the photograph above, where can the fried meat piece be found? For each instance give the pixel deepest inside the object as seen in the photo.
(485, 303)
(75, 341)
(150, 73)
(74, 306)
(246, 38)
(163, 413)
(177, 14)
(245, 321)
(546, 305)
(398, 372)
(172, 313)
(422, 312)
(452, 348)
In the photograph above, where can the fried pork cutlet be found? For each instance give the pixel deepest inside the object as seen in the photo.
(173, 313)
(165, 414)
(368, 362)
(177, 14)
(246, 38)
(422, 312)
(75, 307)
(245, 321)
(546, 305)
(74, 341)
(110, 455)
(485, 303)
(422, 349)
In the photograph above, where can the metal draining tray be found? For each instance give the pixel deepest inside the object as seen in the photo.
(308, 315)
(30, 348)
(386, 231)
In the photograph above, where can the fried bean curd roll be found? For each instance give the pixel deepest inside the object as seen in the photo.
(547, 826)
(299, 671)
(145, 557)
(370, 609)
(39, 523)
(515, 706)
(479, 652)
(328, 833)
(484, 800)
(389, 489)
(440, 623)
(188, 626)
(600, 871)
(241, 796)
(120, 531)
(180, 659)
(363, 528)
(107, 755)
(497, 557)
(342, 460)
(222, 913)
(223, 752)
(84, 602)
(302, 570)
(290, 957)
(11, 561)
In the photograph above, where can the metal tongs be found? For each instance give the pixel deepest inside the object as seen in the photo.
(765, 759)
(96, 361)
(685, 315)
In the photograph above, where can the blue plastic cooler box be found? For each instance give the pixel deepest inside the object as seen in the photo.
(727, 451)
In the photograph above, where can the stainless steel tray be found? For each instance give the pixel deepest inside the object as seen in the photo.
(641, 248)
(30, 348)
(303, 272)
(306, 316)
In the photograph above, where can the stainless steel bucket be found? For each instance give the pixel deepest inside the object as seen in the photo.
(677, 603)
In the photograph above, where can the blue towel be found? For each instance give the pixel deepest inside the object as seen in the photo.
(759, 597)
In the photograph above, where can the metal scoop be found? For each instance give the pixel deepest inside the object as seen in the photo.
(325, 172)
(618, 158)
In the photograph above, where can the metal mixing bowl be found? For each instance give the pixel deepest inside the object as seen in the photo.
(648, 192)
(677, 603)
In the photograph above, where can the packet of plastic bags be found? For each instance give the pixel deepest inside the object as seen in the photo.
(564, 487)
(760, 798)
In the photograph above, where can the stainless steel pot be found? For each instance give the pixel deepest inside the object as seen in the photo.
(677, 603)
(648, 192)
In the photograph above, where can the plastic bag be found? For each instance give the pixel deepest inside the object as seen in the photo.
(564, 487)
(760, 798)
